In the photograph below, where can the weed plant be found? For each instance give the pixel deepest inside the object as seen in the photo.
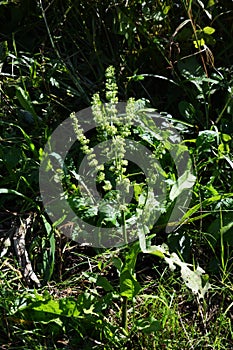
(53, 58)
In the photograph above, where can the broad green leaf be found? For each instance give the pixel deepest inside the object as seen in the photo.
(156, 250)
(131, 258)
(187, 110)
(129, 286)
(208, 30)
(45, 307)
(104, 283)
(117, 262)
(210, 3)
(192, 279)
(25, 101)
(138, 189)
(184, 182)
(180, 242)
(226, 137)
(44, 310)
(148, 325)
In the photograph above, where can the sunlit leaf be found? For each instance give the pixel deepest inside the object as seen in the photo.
(199, 43)
(208, 30)
(184, 182)
(129, 286)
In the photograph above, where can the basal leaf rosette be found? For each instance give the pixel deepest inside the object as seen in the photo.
(111, 169)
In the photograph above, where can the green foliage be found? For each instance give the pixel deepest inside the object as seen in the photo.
(53, 59)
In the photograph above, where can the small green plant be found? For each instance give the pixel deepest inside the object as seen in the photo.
(115, 178)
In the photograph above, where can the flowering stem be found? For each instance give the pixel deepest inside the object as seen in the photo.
(124, 227)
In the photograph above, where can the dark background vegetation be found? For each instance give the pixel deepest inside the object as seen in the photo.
(53, 58)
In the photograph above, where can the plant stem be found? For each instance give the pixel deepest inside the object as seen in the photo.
(124, 227)
(124, 317)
